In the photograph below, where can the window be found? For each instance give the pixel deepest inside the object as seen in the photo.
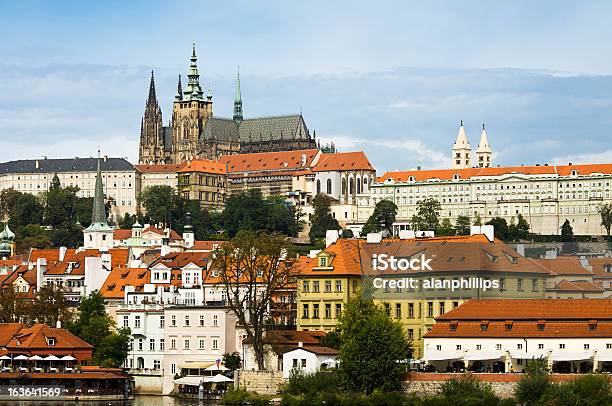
(609, 346)
(561, 346)
(305, 311)
(306, 286)
(411, 310)
(328, 286)
(398, 310)
(303, 362)
(519, 284)
(162, 321)
(458, 347)
(534, 285)
(498, 346)
(162, 344)
(215, 320)
(441, 307)
(479, 346)
(328, 310)
(201, 343)
(430, 311)
(137, 321)
(438, 347)
(186, 321)
(173, 320)
(338, 286)
(519, 346)
(215, 344)
(173, 344)
(586, 346)
(315, 311)
(540, 346)
(338, 309)
(151, 344)
(173, 368)
(126, 322)
(156, 364)
(295, 363)
(329, 186)
(186, 344)
(410, 334)
(315, 286)
(322, 261)
(140, 344)
(201, 320)
(51, 341)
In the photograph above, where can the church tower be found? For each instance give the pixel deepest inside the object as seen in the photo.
(190, 112)
(98, 235)
(238, 101)
(483, 152)
(151, 130)
(461, 150)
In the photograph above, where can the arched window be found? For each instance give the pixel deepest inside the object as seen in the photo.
(352, 186)
(318, 186)
(358, 186)
(344, 187)
(329, 187)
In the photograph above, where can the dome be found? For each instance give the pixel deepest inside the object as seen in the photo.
(7, 234)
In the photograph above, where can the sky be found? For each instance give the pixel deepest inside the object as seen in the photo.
(392, 78)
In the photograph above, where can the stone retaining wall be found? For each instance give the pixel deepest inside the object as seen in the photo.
(262, 382)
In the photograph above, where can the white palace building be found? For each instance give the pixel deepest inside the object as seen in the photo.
(546, 195)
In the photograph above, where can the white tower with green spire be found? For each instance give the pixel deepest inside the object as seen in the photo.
(98, 235)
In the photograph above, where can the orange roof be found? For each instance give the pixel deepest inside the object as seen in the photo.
(205, 245)
(268, 161)
(29, 275)
(9, 263)
(50, 254)
(121, 234)
(316, 350)
(178, 260)
(522, 329)
(344, 260)
(203, 165)
(76, 261)
(161, 168)
(447, 174)
(35, 337)
(601, 266)
(343, 161)
(532, 309)
(563, 266)
(577, 286)
(7, 331)
(120, 277)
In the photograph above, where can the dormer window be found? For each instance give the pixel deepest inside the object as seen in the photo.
(456, 176)
(50, 341)
(574, 172)
(411, 179)
(322, 261)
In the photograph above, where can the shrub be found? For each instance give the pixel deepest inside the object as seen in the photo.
(587, 390)
(531, 388)
(241, 396)
(300, 383)
(468, 390)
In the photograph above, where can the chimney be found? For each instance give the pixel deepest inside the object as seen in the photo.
(37, 164)
(62, 253)
(58, 324)
(303, 161)
(374, 238)
(105, 158)
(300, 344)
(331, 236)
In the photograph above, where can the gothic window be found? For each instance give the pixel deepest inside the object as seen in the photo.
(358, 186)
(352, 186)
(318, 186)
(344, 187)
(329, 186)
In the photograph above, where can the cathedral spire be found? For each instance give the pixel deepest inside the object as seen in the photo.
(98, 235)
(193, 90)
(483, 152)
(179, 90)
(238, 100)
(461, 150)
(98, 214)
(152, 99)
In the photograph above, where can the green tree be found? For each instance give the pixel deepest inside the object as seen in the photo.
(31, 236)
(159, 202)
(522, 228)
(127, 221)
(8, 203)
(322, 219)
(500, 227)
(371, 344)
(13, 309)
(382, 218)
(60, 207)
(477, 220)
(567, 232)
(446, 227)
(331, 340)
(347, 233)
(96, 327)
(232, 360)
(534, 383)
(27, 210)
(49, 306)
(55, 183)
(605, 212)
(463, 225)
(84, 208)
(428, 215)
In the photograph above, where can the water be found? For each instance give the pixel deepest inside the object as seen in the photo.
(140, 400)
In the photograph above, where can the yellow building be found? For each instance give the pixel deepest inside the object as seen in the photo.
(203, 180)
(326, 282)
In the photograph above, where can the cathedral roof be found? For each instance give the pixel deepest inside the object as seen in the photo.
(221, 129)
(64, 165)
(257, 129)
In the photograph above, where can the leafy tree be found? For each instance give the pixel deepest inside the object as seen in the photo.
(70, 236)
(252, 270)
(382, 218)
(347, 233)
(61, 207)
(96, 327)
(55, 183)
(322, 219)
(331, 340)
(8, 203)
(27, 210)
(477, 220)
(467, 390)
(518, 231)
(371, 344)
(13, 309)
(127, 221)
(159, 202)
(463, 225)
(500, 227)
(84, 208)
(446, 228)
(428, 215)
(534, 383)
(567, 232)
(232, 360)
(49, 306)
(606, 217)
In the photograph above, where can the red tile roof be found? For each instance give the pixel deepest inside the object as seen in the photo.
(268, 161)
(602, 267)
(50, 254)
(120, 277)
(203, 165)
(344, 257)
(177, 260)
(162, 168)
(343, 161)
(522, 329)
(447, 174)
(564, 266)
(577, 286)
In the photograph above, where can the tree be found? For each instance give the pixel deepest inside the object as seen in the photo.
(382, 218)
(8, 202)
(31, 236)
(252, 271)
(13, 309)
(322, 219)
(127, 221)
(49, 306)
(55, 183)
(347, 233)
(27, 210)
(567, 233)
(428, 215)
(371, 344)
(500, 227)
(331, 340)
(606, 217)
(521, 230)
(463, 225)
(159, 201)
(96, 327)
(60, 207)
(446, 227)
(477, 220)
(232, 360)
(84, 208)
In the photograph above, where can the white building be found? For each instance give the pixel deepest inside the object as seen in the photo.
(158, 175)
(120, 178)
(544, 195)
(573, 335)
(308, 359)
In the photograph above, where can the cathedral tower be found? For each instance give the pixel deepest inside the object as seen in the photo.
(190, 112)
(461, 150)
(238, 101)
(483, 152)
(151, 130)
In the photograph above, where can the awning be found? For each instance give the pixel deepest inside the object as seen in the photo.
(528, 355)
(218, 378)
(483, 355)
(189, 380)
(604, 356)
(571, 356)
(442, 356)
(196, 365)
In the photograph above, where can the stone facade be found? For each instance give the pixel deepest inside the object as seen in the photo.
(262, 382)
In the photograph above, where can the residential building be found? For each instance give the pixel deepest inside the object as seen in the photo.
(573, 335)
(277, 342)
(205, 181)
(544, 195)
(308, 359)
(120, 179)
(158, 175)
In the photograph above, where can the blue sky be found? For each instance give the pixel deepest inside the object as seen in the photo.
(391, 77)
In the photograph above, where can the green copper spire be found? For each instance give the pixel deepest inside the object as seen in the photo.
(193, 90)
(98, 214)
(238, 100)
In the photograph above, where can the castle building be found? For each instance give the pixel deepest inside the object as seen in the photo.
(194, 132)
(462, 152)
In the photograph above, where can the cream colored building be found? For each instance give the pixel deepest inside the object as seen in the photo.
(545, 195)
(120, 178)
(158, 175)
